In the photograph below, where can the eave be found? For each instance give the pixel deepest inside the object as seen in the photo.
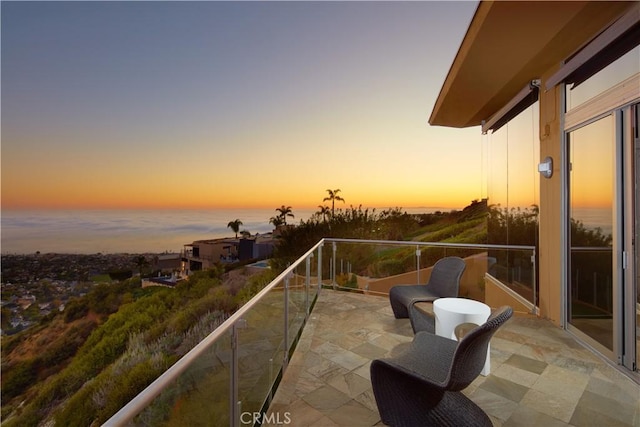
(510, 43)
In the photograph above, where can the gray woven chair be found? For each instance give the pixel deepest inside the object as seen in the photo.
(421, 319)
(443, 282)
(422, 386)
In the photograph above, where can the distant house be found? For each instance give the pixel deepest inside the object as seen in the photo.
(259, 246)
(203, 254)
(168, 263)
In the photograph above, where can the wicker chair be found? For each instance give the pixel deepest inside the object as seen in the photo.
(422, 319)
(422, 386)
(443, 282)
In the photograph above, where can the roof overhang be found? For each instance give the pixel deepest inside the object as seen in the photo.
(510, 43)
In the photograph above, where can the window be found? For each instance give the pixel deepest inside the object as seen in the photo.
(620, 70)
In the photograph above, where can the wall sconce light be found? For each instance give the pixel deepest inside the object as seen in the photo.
(546, 167)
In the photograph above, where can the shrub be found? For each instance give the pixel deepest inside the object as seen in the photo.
(120, 274)
(75, 309)
(18, 378)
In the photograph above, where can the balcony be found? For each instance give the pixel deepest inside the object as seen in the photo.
(540, 376)
(299, 352)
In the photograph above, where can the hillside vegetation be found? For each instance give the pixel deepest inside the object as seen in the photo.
(84, 364)
(465, 226)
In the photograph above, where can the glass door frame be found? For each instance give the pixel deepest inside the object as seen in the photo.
(609, 103)
(616, 215)
(631, 199)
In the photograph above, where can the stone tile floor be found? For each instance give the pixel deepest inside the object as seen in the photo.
(540, 376)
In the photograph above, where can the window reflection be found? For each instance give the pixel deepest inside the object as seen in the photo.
(591, 222)
(513, 191)
(618, 71)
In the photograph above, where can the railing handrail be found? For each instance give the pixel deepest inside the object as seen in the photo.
(435, 244)
(591, 248)
(146, 396)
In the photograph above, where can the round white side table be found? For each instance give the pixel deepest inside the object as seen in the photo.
(450, 312)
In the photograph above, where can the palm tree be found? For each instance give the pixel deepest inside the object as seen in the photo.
(323, 212)
(285, 211)
(276, 221)
(141, 262)
(235, 226)
(333, 196)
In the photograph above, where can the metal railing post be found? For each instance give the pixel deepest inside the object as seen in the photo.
(418, 265)
(320, 267)
(307, 285)
(285, 359)
(535, 266)
(333, 264)
(271, 380)
(234, 416)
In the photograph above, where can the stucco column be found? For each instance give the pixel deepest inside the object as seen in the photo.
(550, 248)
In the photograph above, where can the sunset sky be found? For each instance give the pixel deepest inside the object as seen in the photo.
(231, 104)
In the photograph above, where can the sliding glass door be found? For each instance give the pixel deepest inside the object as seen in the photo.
(592, 211)
(631, 197)
(602, 296)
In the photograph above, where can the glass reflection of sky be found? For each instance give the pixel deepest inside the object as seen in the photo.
(513, 153)
(618, 71)
(591, 179)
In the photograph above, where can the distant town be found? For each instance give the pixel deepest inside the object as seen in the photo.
(35, 285)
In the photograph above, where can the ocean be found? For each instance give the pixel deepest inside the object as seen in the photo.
(131, 231)
(593, 218)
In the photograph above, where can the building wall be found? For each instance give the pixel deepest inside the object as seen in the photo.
(211, 252)
(168, 262)
(551, 206)
(263, 249)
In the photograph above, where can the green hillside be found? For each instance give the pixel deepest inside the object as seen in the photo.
(106, 347)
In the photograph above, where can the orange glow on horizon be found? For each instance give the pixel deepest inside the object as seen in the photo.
(385, 184)
(42, 198)
(115, 205)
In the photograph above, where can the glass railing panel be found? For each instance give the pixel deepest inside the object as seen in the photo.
(477, 262)
(199, 394)
(377, 266)
(515, 268)
(297, 303)
(313, 277)
(324, 263)
(261, 350)
(366, 266)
